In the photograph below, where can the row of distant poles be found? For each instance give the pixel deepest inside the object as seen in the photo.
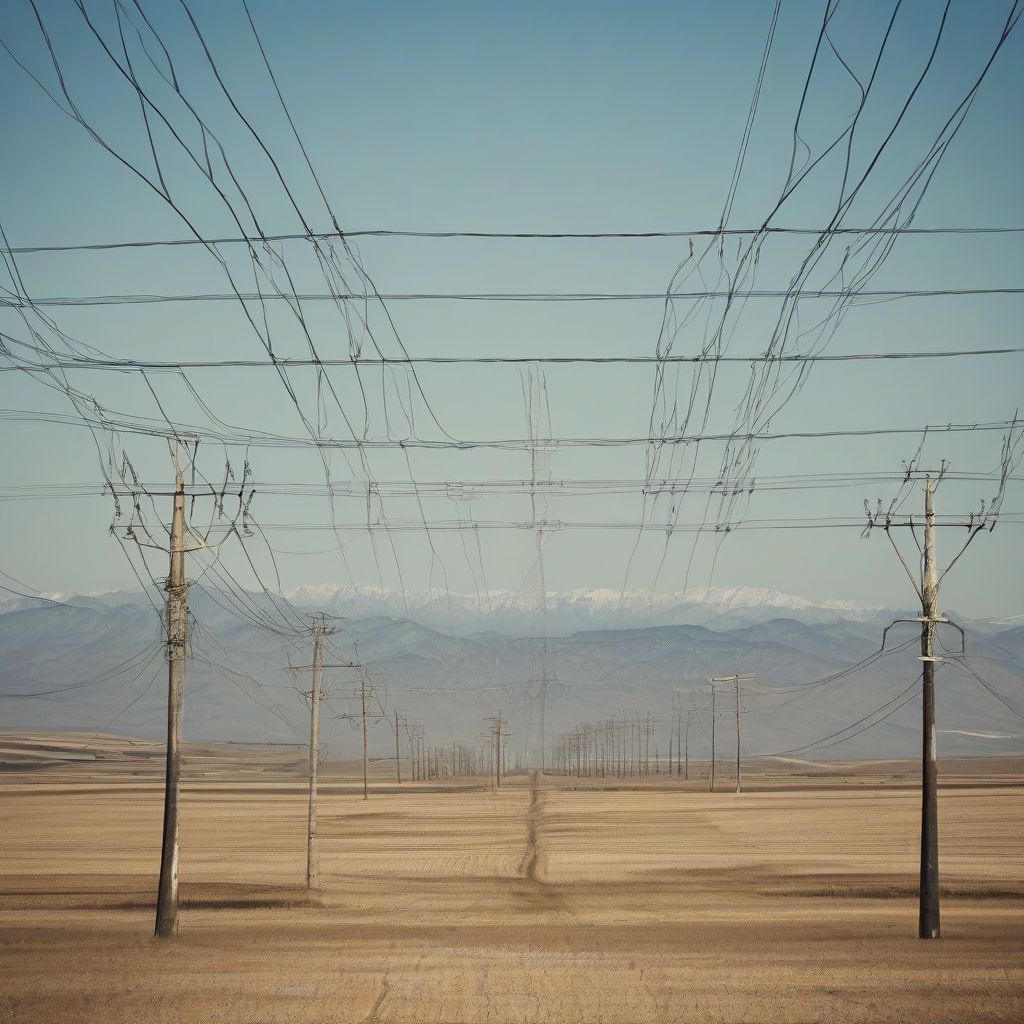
(681, 760)
(926, 585)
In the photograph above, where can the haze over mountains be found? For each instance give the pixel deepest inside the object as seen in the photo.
(448, 661)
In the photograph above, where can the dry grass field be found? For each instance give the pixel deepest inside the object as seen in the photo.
(588, 901)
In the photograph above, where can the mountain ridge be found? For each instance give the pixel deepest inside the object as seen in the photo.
(813, 678)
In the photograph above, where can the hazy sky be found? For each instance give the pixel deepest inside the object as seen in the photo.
(575, 116)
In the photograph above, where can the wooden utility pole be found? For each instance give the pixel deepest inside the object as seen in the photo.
(736, 680)
(315, 696)
(686, 746)
(413, 735)
(362, 694)
(398, 754)
(497, 724)
(738, 769)
(712, 786)
(927, 589)
(177, 636)
(928, 909)
(362, 716)
(497, 755)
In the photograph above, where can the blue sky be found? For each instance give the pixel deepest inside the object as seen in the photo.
(568, 116)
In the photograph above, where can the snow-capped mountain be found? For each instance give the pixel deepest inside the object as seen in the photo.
(519, 613)
(583, 608)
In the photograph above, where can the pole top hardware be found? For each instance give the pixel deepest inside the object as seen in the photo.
(940, 620)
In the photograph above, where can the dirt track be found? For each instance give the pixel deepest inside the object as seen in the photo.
(660, 905)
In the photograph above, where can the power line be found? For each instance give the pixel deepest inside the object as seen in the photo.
(463, 489)
(497, 235)
(82, 363)
(847, 294)
(260, 439)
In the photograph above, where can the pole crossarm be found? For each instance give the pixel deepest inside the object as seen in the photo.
(326, 664)
(933, 620)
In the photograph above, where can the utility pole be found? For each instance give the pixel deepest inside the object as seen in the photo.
(398, 754)
(671, 737)
(319, 629)
(736, 680)
(927, 589)
(413, 732)
(497, 724)
(928, 911)
(362, 694)
(928, 925)
(177, 650)
(363, 716)
(686, 747)
(497, 755)
(712, 786)
(177, 636)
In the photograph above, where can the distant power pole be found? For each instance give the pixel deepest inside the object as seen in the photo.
(686, 748)
(362, 695)
(672, 732)
(497, 725)
(413, 733)
(733, 679)
(177, 636)
(315, 694)
(363, 715)
(712, 786)
(398, 753)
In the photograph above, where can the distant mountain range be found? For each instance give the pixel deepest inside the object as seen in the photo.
(569, 610)
(565, 611)
(95, 661)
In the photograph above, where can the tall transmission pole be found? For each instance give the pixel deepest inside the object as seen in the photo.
(177, 637)
(735, 679)
(927, 589)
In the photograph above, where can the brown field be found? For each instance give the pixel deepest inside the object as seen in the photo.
(587, 901)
